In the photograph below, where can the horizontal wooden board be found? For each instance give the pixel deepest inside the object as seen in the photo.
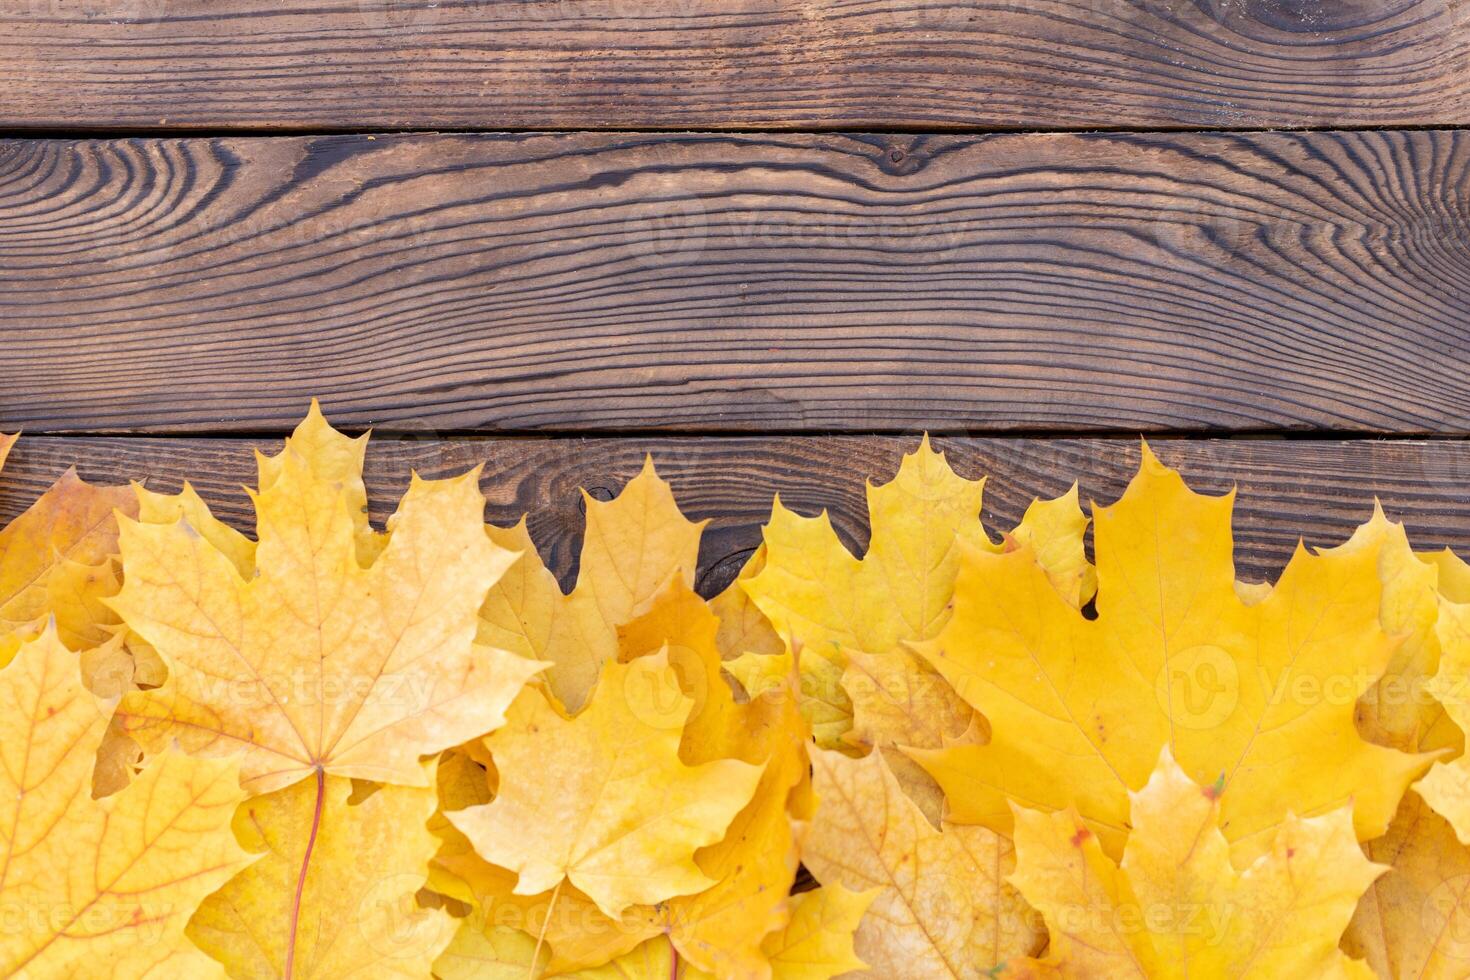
(1117, 282)
(733, 64)
(1316, 489)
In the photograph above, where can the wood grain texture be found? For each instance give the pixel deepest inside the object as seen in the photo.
(1115, 282)
(734, 64)
(1316, 489)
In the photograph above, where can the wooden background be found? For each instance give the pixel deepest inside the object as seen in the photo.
(768, 241)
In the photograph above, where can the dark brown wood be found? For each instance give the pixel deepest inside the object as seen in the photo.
(733, 64)
(1316, 489)
(1116, 282)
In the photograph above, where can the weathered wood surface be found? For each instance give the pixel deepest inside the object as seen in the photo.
(733, 64)
(554, 283)
(1318, 489)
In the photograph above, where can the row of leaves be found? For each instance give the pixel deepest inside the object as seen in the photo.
(335, 751)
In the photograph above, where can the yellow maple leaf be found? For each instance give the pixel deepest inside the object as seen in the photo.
(817, 943)
(1260, 694)
(503, 953)
(752, 866)
(602, 800)
(338, 652)
(1399, 710)
(57, 560)
(743, 627)
(897, 699)
(942, 907)
(816, 946)
(481, 951)
(676, 619)
(99, 885)
(1446, 787)
(633, 545)
(1414, 920)
(332, 894)
(1177, 907)
(722, 929)
(574, 932)
(830, 603)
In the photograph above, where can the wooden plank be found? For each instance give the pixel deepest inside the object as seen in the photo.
(733, 64)
(1316, 489)
(1115, 282)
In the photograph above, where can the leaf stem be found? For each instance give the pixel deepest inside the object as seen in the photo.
(531, 974)
(316, 824)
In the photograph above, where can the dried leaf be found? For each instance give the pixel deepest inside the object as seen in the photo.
(57, 560)
(722, 928)
(1414, 920)
(743, 627)
(942, 908)
(817, 943)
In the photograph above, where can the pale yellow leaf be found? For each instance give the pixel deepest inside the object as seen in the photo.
(57, 560)
(743, 627)
(817, 943)
(830, 603)
(339, 652)
(93, 887)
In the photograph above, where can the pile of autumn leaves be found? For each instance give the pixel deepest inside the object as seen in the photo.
(334, 751)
